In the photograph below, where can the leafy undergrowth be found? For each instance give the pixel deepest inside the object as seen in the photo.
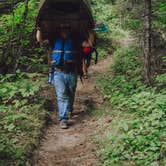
(136, 135)
(22, 117)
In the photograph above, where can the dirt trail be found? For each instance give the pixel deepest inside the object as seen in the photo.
(72, 147)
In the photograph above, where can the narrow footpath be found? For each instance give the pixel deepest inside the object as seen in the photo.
(73, 147)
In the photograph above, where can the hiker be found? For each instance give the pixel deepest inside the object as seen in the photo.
(88, 49)
(64, 73)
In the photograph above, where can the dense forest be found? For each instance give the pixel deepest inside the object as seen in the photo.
(133, 88)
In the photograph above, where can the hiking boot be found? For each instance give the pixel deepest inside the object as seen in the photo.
(63, 124)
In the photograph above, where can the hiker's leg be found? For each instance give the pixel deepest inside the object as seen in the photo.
(88, 60)
(84, 66)
(62, 93)
(72, 83)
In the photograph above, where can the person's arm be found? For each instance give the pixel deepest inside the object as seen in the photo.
(40, 39)
(39, 36)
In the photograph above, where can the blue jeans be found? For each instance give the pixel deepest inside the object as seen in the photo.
(65, 87)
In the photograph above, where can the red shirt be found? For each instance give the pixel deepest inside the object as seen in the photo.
(86, 50)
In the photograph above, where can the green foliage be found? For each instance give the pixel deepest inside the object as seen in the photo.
(104, 46)
(161, 78)
(21, 116)
(22, 37)
(137, 133)
(21, 108)
(102, 6)
(160, 13)
(127, 62)
(141, 139)
(9, 21)
(140, 136)
(109, 41)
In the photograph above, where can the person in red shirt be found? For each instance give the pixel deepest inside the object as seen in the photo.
(88, 49)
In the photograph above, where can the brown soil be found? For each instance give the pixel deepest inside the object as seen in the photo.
(73, 147)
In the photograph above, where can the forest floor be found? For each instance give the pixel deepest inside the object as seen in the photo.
(73, 147)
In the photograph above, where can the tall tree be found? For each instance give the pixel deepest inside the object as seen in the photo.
(148, 41)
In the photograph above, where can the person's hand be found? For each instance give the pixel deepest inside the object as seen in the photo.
(45, 41)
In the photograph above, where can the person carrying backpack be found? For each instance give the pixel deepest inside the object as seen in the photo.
(87, 50)
(64, 66)
(63, 73)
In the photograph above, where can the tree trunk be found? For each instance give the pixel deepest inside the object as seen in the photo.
(147, 41)
(21, 36)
